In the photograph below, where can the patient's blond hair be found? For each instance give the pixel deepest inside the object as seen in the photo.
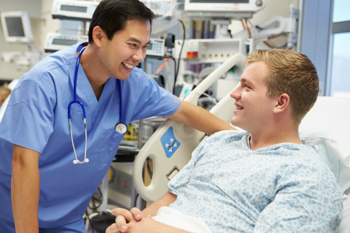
(4, 92)
(292, 73)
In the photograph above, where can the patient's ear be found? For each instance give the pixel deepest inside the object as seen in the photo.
(283, 101)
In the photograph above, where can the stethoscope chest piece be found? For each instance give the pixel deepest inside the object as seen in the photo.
(121, 128)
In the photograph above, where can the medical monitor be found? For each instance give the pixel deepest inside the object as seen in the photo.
(223, 8)
(16, 26)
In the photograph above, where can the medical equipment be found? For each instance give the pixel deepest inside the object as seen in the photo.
(224, 8)
(120, 127)
(156, 48)
(75, 10)
(176, 141)
(86, 160)
(208, 50)
(16, 26)
(55, 41)
(159, 7)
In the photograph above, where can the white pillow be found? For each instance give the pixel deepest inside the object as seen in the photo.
(334, 154)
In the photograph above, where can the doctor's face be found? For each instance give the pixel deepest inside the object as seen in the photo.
(253, 106)
(126, 49)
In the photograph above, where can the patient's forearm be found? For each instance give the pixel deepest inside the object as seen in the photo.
(149, 225)
(166, 200)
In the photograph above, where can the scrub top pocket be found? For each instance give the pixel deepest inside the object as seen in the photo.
(109, 146)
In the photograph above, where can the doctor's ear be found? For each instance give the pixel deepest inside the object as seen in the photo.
(283, 102)
(97, 35)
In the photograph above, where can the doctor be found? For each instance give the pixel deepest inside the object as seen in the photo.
(66, 118)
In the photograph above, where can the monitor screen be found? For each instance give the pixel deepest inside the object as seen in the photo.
(16, 26)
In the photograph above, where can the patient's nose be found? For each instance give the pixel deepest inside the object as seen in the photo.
(235, 93)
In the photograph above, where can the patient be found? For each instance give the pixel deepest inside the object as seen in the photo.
(263, 179)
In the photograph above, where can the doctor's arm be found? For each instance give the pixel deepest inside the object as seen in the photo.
(25, 189)
(199, 118)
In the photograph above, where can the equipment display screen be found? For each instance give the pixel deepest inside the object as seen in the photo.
(74, 8)
(14, 26)
(64, 42)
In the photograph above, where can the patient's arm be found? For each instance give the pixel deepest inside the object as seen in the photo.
(166, 200)
(304, 202)
(149, 225)
(125, 216)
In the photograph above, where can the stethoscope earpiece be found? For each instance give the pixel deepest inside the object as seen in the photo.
(75, 161)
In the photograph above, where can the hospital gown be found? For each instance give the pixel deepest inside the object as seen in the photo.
(36, 118)
(280, 188)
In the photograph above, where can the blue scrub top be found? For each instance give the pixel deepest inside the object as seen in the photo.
(36, 118)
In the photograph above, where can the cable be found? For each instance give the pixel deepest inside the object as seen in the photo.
(90, 222)
(250, 33)
(175, 75)
(135, 201)
(95, 199)
(243, 24)
(182, 46)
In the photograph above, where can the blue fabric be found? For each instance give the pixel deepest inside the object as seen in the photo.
(36, 118)
(280, 188)
(74, 227)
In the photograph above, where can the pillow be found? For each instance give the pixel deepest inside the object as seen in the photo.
(334, 154)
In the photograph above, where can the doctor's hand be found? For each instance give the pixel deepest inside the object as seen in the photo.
(124, 216)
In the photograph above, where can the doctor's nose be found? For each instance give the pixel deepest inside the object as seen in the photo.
(139, 55)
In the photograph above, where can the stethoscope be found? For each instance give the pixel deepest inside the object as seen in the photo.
(120, 127)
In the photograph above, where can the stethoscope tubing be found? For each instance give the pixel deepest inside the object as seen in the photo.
(120, 127)
(75, 87)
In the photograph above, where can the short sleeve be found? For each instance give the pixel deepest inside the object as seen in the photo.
(146, 98)
(28, 120)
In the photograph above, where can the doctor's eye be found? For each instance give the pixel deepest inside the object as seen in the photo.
(132, 45)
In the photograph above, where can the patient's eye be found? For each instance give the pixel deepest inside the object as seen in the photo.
(246, 86)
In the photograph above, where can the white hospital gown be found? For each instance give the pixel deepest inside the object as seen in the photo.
(280, 188)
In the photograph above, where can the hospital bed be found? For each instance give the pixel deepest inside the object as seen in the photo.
(326, 126)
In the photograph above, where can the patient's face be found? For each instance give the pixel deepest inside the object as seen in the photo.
(253, 107)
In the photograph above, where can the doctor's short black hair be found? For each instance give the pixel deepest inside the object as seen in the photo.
(112, 15)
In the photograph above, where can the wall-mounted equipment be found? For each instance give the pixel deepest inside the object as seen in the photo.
(55, 41)
(73, 10)
(234, 9)
(16, 26)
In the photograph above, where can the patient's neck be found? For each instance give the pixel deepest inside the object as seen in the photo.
(265, 139)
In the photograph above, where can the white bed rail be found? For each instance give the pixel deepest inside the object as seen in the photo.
(170, 147)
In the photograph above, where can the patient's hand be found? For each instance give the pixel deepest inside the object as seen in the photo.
(124, 216)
